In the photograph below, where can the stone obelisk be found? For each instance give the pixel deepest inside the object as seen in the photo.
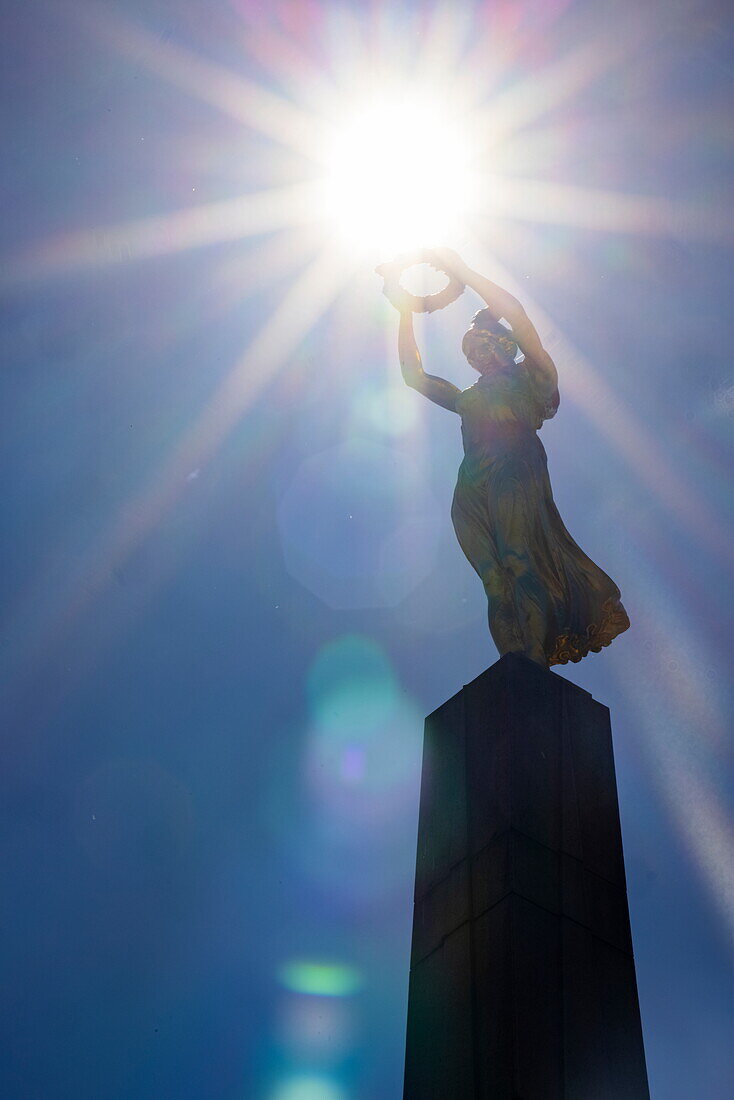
(522, 982)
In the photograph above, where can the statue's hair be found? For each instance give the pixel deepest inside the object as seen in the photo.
(485, 321)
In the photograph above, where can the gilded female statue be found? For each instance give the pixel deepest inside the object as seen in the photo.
(546, 598)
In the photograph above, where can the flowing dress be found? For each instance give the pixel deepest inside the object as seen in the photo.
(545, 596)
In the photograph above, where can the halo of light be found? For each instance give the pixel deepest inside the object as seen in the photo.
(398, 173)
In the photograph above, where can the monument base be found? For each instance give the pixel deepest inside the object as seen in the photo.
(522, 981)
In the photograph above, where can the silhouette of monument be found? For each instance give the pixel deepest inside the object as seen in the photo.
(522, 982)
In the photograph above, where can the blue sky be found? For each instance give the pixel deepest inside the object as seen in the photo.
(230, 588)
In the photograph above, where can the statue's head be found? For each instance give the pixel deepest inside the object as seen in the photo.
(488, 344)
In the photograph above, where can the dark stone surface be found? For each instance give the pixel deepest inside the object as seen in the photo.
(522, 983)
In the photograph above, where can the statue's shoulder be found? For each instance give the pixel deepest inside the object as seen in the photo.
(466, 397)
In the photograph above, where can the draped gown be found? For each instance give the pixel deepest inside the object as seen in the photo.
(546, 598)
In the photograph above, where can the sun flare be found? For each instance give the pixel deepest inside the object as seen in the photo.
(398, 175)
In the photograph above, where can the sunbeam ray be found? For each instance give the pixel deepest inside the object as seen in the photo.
(607, 211)
(283, 57)
(195, 227)
(234, 95)
(44, 599)
(300, 308)
(443, 42)
(682, 768)
(537, 95)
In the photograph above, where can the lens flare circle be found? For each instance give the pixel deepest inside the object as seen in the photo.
(342, 658)
(361, 759)
(359, 526)
(387, 410)
(315, 1030)
(349, 669)
(320, 979)
(308, 1087)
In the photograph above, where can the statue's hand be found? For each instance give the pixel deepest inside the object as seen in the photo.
(403, 300)
(450, 261)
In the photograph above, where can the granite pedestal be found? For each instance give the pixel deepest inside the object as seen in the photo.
(522, 982)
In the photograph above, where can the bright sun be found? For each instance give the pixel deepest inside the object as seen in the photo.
(398, 176)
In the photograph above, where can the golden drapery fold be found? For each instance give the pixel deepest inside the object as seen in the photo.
(545, 596)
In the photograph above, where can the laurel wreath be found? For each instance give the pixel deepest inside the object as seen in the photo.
(401, 298)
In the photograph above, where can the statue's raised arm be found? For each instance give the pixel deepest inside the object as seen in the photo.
(436, 389)
(503, 304)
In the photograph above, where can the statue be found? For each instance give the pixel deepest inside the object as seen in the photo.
(546, 598)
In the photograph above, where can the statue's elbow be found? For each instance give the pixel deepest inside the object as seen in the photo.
(411, 377)
(515, 314)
